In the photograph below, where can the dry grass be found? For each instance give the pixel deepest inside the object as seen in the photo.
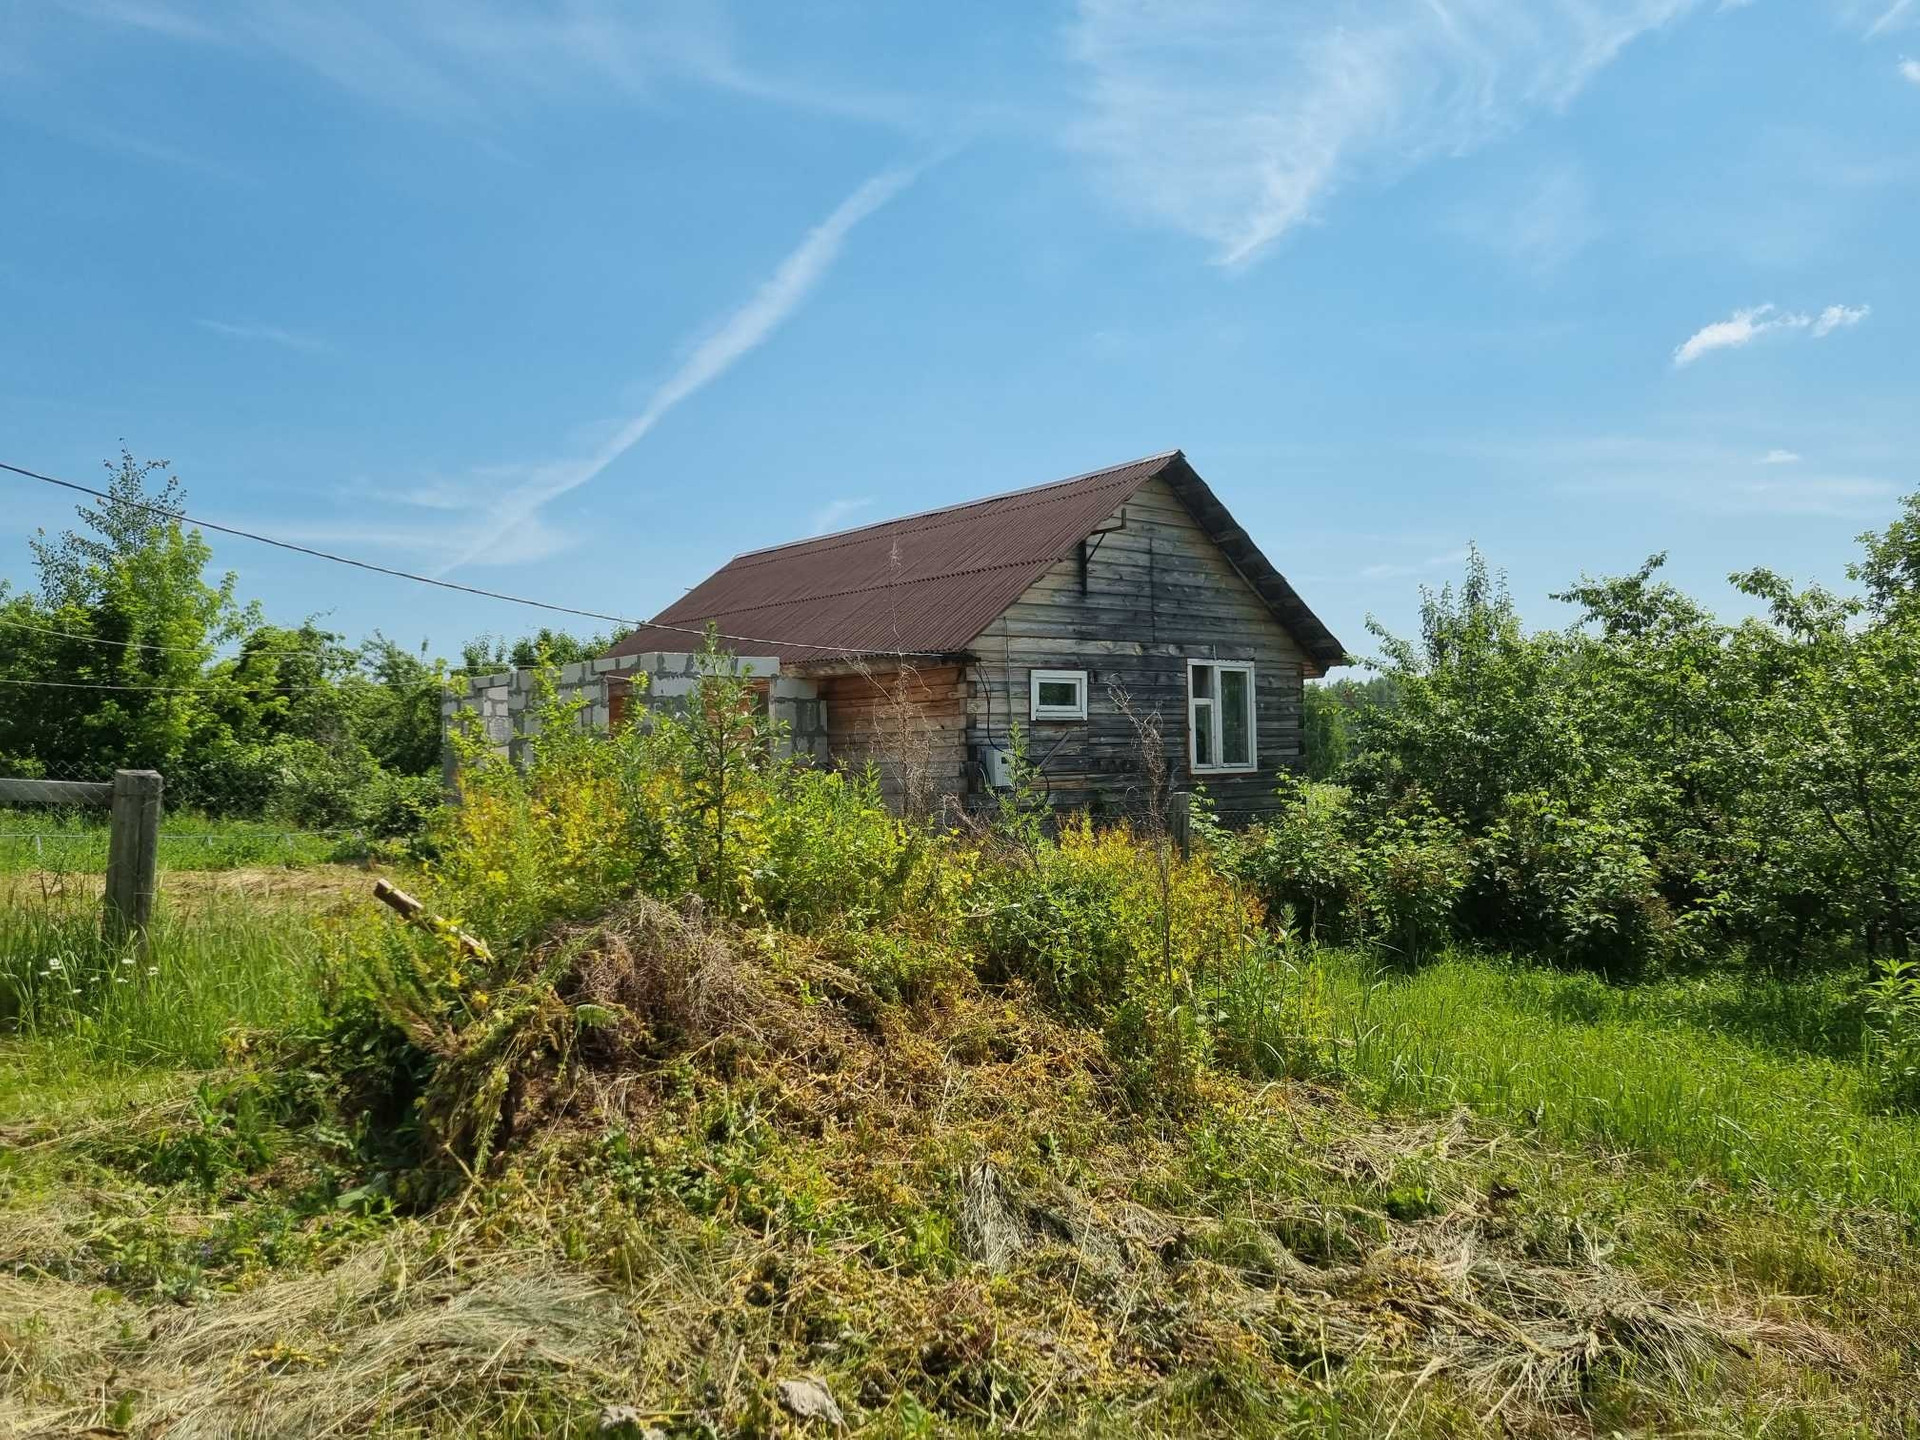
(751, 1169)
(396, 1338)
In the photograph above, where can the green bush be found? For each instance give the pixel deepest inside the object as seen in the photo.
(1414, 871)
(1571, 888)
(1118, 933)
(831, 852)
(1344, 877)
(1307, 864)
(1062, 926)
(393, 806)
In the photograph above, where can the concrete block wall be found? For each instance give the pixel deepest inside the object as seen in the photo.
(654, 681)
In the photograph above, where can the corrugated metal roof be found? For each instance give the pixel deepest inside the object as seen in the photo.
(928, 584)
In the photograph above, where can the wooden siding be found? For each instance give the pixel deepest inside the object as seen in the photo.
(1158, 593)
(866, 720)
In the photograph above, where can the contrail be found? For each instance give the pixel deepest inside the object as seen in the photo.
(744, 330)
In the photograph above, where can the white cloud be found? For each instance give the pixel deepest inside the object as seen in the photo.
(1839, 317)
(1743, 327)
(463, 61)
(743, 331)
(1233, 120)
(271, 334)
(1780, 457)
(834, 515)
(1910, 71)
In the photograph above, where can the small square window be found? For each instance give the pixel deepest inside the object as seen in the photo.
(1058, 694)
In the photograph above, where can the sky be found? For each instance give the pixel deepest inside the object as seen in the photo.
(577, 300)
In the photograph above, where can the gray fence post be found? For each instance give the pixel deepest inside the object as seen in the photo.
(133, 853)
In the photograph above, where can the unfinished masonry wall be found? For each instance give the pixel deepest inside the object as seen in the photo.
(651, 681)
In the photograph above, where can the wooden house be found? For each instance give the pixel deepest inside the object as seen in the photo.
(1050, 611)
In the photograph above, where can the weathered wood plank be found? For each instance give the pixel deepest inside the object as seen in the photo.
(56, 792)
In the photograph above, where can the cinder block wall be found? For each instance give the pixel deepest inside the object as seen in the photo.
(504, 700)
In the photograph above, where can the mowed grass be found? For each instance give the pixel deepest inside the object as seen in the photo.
(151, 1294)
(1751, 1084)
(62, 841)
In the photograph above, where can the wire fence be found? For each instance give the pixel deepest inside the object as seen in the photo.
(57, 839)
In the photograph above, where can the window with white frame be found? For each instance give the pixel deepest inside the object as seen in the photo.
(1220, 734)
(1058, 694)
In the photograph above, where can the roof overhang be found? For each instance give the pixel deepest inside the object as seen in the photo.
(1268, 583)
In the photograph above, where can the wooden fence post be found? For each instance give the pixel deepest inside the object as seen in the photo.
(1180, 821)
(133, 853)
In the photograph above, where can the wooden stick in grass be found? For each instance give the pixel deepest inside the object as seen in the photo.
(415, 912)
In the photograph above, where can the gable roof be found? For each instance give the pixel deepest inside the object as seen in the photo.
(928, 584)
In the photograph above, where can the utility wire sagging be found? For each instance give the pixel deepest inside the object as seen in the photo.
(454, 585)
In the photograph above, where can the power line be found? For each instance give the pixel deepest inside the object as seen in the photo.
(172, 514)
(309, 550)
(202, 689)
(143, 645)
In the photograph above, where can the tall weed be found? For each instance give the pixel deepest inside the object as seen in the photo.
(1893, 1031)
(1089, 923)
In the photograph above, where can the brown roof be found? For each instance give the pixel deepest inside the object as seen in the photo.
(928, 584)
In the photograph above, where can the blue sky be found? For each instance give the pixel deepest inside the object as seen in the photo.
(578, 300)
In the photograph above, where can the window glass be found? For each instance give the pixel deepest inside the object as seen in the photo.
(1202, 727)
(1060, 694)
(1235, 714)
(1202, 681)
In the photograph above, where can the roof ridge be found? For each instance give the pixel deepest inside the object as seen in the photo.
(836, 536)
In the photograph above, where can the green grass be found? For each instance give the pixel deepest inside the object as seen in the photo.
(1740, 1082)
(75, 842)
(211, 969)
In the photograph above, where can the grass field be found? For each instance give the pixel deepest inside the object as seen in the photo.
(215, 966)
(1756, 1083)
(59, 841)
(1513, 1169)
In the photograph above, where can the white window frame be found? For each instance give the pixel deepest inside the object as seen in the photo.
(1214, 726)
(1037, 711)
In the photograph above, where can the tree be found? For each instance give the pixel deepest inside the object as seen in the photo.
(128, 655)
(1836, 755)
(1476, 719)
(125, 622)
(728, 741)
(546, 646)
(1329, 714)
(1655, 779)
